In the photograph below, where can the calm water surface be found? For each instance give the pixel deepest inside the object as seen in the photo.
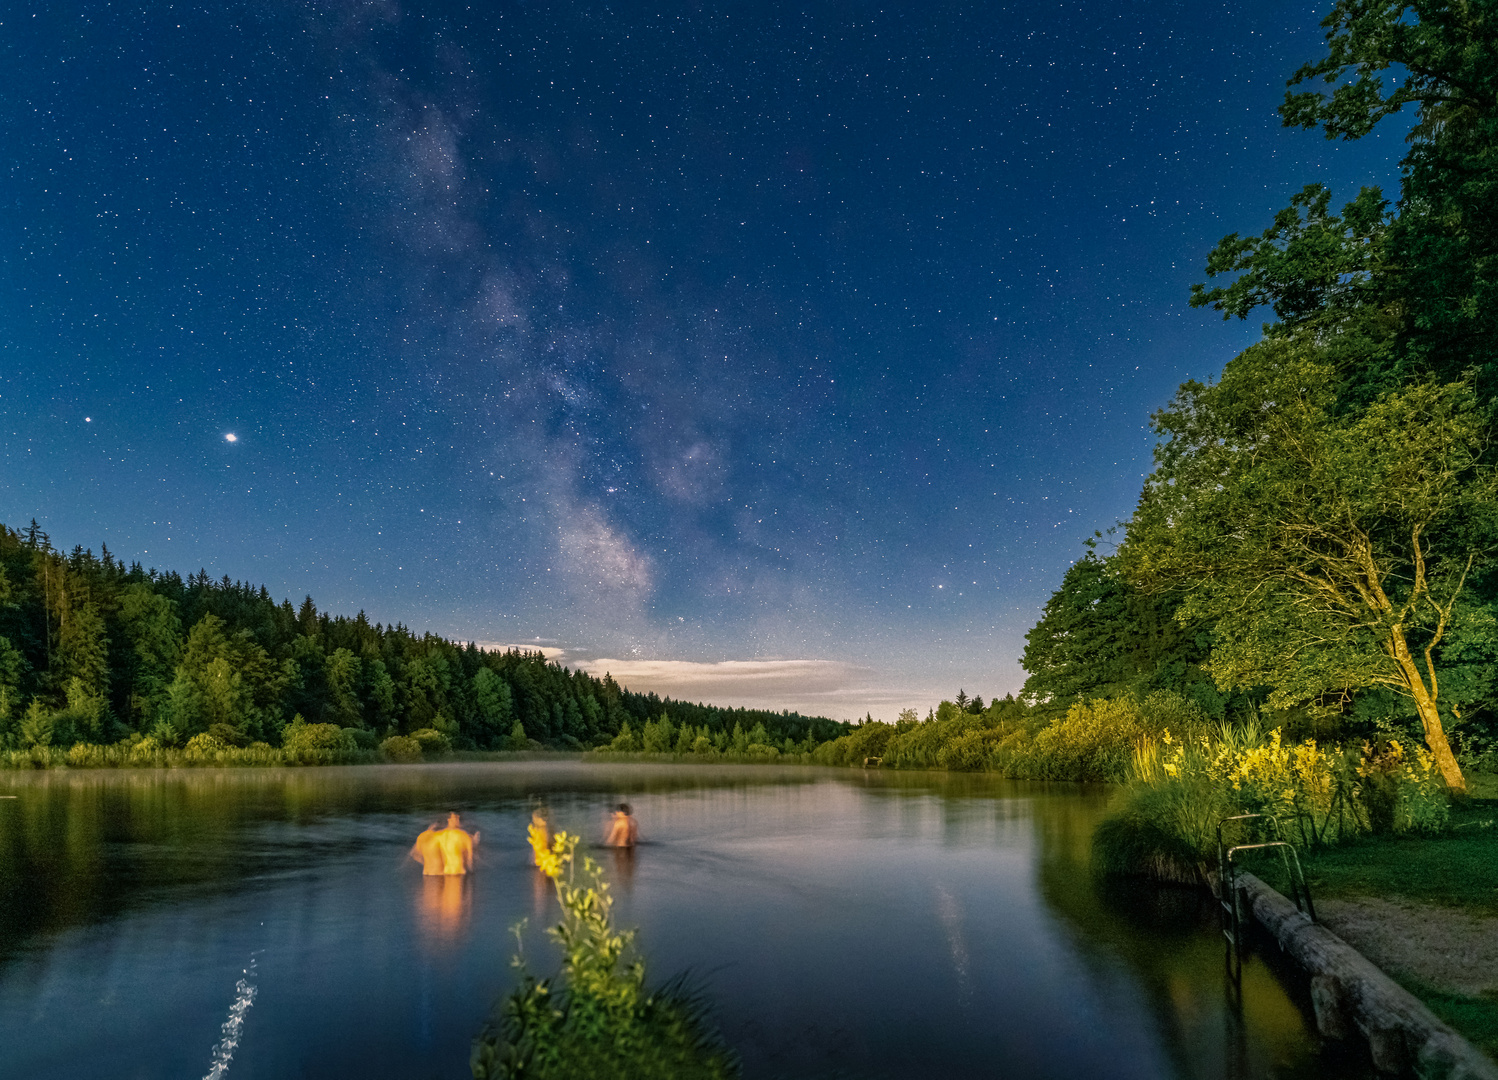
(843, 924)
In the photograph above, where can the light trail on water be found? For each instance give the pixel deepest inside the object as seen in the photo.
(233, 1029)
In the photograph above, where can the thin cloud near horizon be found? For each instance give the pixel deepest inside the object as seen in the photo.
(832, 688)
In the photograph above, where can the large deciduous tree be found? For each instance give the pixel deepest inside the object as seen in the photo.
(1441, 58)
(1330, 551)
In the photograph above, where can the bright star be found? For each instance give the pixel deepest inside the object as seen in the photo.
(231, 437)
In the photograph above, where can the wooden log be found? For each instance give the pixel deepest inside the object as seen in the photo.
(1402, 1033)
(1331, 1011)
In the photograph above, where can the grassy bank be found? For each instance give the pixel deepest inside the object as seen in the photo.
(1424, 908)
(1407, 875)
(1456, 869)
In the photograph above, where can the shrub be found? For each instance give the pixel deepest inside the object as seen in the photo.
(969, 752)
(1159, 834)
(1095, 741)
(298, 736)
(596, 1019)
(145, 750)
(361, 738)
(432, 742)
(228, 735)
(204, 744)
(401, 748)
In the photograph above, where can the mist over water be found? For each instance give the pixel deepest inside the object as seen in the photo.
(840, 923)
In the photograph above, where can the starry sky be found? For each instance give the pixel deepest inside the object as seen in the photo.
(762, 353)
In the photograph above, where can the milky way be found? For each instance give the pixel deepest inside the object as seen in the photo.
(780, 353)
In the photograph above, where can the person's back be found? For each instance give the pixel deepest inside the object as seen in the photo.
(428, 851)
(454, 848)
(624, 831)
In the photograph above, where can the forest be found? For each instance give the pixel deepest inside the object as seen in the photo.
(94, 651)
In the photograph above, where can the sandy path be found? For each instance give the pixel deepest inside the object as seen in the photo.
(1445, 949)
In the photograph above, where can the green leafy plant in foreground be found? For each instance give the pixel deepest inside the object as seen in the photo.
(596, 1020)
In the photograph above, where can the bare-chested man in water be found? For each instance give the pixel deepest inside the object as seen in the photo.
(445, 851)
(624, 831)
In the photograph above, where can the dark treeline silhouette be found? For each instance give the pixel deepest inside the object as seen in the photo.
(94, 650)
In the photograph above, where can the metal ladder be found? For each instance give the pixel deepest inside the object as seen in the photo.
(1227, 883)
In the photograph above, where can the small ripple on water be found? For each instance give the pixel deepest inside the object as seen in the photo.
(233, 1029)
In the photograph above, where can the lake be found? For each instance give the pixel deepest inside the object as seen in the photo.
(842, 923)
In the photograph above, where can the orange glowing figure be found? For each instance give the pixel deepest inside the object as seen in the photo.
(539, 834)
(445, 851)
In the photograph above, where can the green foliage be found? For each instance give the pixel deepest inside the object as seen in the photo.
(1441, 57)
(1094, 740)
(1320, 522)
(597, 1018)
(1309, 266)
(433, 743)
(299, 735)
(662, 738)
(201, 751)
(1100, 636)
(400, 748)
(1166, 823)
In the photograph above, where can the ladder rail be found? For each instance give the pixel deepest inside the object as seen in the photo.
(1227, 883)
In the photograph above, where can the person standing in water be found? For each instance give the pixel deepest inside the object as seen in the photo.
(624, 831)
(446, 851)
(539, 833)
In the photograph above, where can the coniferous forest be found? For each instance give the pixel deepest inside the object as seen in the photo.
(96, 651)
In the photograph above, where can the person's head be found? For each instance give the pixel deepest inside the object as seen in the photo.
(452, 821)
(624, 808)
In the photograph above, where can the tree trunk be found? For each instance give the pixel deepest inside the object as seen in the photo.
(1430, 716)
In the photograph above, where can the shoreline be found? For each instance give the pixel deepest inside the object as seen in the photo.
(1353, 996)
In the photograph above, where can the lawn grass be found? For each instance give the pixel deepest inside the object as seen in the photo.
(1458, 870)
(1475, 1017)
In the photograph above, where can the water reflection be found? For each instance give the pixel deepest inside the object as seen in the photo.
(622, 863)
(446, 902)
(842, 922)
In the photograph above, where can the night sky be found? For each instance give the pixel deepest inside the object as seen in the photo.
(758, 353)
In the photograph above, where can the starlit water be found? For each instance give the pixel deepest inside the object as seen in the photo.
(842, 924)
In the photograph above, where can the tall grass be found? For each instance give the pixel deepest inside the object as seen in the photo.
(1166, 823)
(148, 754)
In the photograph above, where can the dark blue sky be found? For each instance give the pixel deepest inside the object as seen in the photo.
(815, 336)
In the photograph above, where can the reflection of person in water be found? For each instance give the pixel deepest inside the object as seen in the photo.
(445, 851)
(624, 831)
